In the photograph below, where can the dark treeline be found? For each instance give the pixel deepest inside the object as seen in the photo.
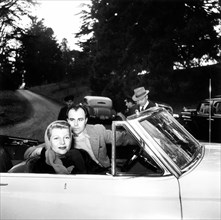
(32, 53)
(194, 83)
(128, 38)
(153, 36)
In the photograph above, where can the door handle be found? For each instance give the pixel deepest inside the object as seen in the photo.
(3, 184)
(210, 119)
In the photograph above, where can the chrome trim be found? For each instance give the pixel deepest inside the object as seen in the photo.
(113, 148)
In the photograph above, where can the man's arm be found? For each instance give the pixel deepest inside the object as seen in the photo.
(122, 137)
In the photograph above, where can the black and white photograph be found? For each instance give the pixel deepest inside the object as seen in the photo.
(110, 109)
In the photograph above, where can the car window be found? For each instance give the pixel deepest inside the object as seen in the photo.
(132, 159)
(204, 108)
(217, 108)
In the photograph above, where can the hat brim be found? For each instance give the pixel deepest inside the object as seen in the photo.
(140, 97)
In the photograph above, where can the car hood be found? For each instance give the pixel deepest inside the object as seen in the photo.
(200, 187)
(210, 163)
(203, 181)
(212, 158)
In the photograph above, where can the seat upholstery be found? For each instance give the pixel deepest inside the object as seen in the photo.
(19, 168)
(24, 166)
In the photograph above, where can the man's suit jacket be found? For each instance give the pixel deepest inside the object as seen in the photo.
(131, 110)
(99, 137)
(150, 104)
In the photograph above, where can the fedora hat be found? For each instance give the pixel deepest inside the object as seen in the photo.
(139, 93)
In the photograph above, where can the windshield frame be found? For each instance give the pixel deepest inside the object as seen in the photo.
(171, 146)
(149, 144)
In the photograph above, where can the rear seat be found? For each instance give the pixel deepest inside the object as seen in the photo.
(24, 166)
(19, 168)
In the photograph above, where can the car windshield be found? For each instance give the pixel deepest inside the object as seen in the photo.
(171, 137)
(204, 108)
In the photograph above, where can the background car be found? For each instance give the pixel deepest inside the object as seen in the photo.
(204, 122)
(100, 109)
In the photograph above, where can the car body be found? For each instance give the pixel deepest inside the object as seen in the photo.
(204, 122)
(100, 109)
(165, 174)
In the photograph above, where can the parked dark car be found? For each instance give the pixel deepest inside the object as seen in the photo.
(100, 109)
(204, 122)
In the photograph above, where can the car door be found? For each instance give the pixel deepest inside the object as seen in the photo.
(52, 196)
(216, 124)
(201, 121)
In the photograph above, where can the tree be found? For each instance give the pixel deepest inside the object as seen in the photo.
(130, 36)
(11, 13)
(41, 55)
(67, 59)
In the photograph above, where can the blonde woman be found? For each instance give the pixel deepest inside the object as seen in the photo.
(58, 156)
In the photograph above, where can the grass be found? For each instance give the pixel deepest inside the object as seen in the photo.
(57, 91)
(13, 108)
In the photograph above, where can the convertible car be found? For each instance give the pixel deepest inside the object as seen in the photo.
(165, 174)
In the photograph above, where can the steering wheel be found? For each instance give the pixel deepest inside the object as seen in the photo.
(131, 160)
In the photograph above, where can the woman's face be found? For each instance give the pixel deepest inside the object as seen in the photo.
(60, 140)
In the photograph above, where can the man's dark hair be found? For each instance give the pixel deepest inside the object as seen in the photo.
(69, 98)
(129, 99)
(76, 107)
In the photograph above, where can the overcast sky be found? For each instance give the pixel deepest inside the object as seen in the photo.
(61, 16)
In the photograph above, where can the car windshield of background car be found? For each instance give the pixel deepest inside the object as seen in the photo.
(217, 107)
(204, 108)
(180, 147)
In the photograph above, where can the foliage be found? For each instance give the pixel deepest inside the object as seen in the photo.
(29, 52)
(66, 57)
(11, 14)
(194, 83)
(130, 36)
(40, 55)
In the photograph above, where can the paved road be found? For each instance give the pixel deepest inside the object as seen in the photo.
(44, 112)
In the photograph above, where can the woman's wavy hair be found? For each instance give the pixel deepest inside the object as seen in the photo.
(57, 124)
